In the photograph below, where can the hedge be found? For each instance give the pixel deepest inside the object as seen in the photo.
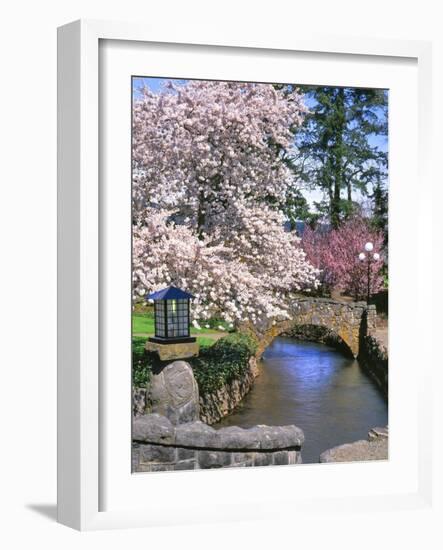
(142, 363)
(225, 361)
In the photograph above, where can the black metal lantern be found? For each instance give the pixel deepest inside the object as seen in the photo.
(171, 316)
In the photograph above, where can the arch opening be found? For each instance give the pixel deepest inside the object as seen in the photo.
(320, 334)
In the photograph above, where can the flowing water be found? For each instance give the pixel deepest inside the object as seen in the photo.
(317, 388)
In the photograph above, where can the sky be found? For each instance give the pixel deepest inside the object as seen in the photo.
(156, 84)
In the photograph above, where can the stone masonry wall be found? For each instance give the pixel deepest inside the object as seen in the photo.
(217, 405)
(159, 445)
(374, 358)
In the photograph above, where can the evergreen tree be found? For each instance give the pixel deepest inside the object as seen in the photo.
(380, 210)
(335, 149)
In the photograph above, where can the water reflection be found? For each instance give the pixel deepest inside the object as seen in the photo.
(317, 388)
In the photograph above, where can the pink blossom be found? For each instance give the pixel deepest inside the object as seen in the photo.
(336, 254)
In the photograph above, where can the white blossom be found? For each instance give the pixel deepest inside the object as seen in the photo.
(207, 164)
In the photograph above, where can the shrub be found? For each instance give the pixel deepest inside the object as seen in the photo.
(142, 363)
(223, 362)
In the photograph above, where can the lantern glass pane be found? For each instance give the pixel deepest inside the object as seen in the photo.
(159, 318)
(177, 318)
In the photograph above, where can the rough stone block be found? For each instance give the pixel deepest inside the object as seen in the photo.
(185, 454)
(362, 450)
(135, 457)
(195, 434)
(238, 438)
(155, 467)
(174, 393)
(139, 401)
(243, 459)
(376, 432)
(185, 465)
(153, 428)
(280, 458)
(169, 352)
(292, 457)
(142, 468)
(278, 437)
(157, 453)
(213, 459)
(263, 459)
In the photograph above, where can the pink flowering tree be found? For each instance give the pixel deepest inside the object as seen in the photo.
(336, 254)
(316, 244)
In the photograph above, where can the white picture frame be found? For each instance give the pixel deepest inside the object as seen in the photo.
(83, 401)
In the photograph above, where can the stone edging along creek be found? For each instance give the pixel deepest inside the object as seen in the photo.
(213, 406)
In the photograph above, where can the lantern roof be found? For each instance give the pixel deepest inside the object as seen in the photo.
(170, 293)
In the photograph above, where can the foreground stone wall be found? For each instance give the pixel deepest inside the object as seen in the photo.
(349, 320)
(217, 405)
(159, 445)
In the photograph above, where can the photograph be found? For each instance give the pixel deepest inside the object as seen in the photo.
(260, 275)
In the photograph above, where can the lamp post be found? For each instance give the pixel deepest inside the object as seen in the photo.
(369, 257)
(172, 338)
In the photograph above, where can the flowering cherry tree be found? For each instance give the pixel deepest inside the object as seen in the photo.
(209, 178)
(336, 253)
(228, 278)
(205, 146)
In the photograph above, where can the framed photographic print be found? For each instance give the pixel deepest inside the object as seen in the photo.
(232, 276)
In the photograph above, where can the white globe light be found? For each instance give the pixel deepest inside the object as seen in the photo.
(376, 256)
(369, 247)
(361, 256)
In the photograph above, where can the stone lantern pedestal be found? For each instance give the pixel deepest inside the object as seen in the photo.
(171, 351)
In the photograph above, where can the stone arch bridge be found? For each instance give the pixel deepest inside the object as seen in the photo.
(351, 321)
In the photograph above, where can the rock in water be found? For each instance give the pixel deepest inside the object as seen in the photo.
(174, 393)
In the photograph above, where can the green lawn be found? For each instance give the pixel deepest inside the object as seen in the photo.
(143, 325)
(138, 342)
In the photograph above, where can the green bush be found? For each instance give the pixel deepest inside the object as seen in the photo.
(142, 363)
(223, 362)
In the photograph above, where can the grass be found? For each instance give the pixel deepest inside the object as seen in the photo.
(143, 325)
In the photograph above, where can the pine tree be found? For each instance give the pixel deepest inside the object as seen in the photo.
(380, 210)
(335, 146)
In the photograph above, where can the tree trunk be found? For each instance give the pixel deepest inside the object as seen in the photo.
(337, 156)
